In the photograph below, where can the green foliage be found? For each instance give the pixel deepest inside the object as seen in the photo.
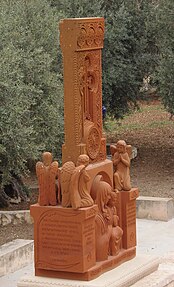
(126, 55)
(31, 94)
(166, 46)
(127, 47)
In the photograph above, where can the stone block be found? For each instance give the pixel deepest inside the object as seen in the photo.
(18, 218)
(64, 239)
(155, 208)
(159, 278)
(6, 219)
(15, 217)
(123, 276)
(27, 218)
(15, 255)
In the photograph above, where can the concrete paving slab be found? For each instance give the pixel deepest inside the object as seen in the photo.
(11, 279)
(155, 237)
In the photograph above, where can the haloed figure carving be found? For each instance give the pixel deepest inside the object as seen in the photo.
(47, 172)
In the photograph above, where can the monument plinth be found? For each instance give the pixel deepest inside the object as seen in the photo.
(64, 239)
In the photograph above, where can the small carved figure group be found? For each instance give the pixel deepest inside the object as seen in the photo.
(108, 233)
(121, 160)
(72, 181)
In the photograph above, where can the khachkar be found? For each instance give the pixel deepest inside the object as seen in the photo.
(81, 43)
(86, 224)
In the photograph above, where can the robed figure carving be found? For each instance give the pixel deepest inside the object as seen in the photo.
(115, 232)
(108, 233)
(121, 161)
(47, 172)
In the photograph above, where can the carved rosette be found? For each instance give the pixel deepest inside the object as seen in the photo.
(93, 143)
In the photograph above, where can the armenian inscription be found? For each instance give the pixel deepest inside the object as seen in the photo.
(131, 213)
(58, 242)
(65, 241)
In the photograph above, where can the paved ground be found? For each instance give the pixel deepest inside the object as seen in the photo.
(153, 238)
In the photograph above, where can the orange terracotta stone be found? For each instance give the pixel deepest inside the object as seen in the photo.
(81, 42)
(47, 172)
(92, 227)
(64, 239)
(128, 224)
(121, 160)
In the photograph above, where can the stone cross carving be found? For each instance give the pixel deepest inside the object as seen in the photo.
(94, 226)
(81, 43)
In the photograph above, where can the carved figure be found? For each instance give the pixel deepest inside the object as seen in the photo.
(88, 84)
(82, 163)
(65, 179)
(121, 161)
(47, 172)
(103, 220)
(74, 184)
(115, 231)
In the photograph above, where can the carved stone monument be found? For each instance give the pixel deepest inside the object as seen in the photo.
(90, 226)
(81, 42)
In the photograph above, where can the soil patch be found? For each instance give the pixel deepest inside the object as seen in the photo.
(12, 232)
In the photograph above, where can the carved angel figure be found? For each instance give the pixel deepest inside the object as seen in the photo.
(121, 161)
(74, 181)
(47, 172)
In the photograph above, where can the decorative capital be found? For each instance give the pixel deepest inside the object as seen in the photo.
(82, 34)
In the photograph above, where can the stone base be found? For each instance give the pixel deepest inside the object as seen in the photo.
(155, 208)
(94, 272)
(159, 278)
(15, 255)
(123, 276)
